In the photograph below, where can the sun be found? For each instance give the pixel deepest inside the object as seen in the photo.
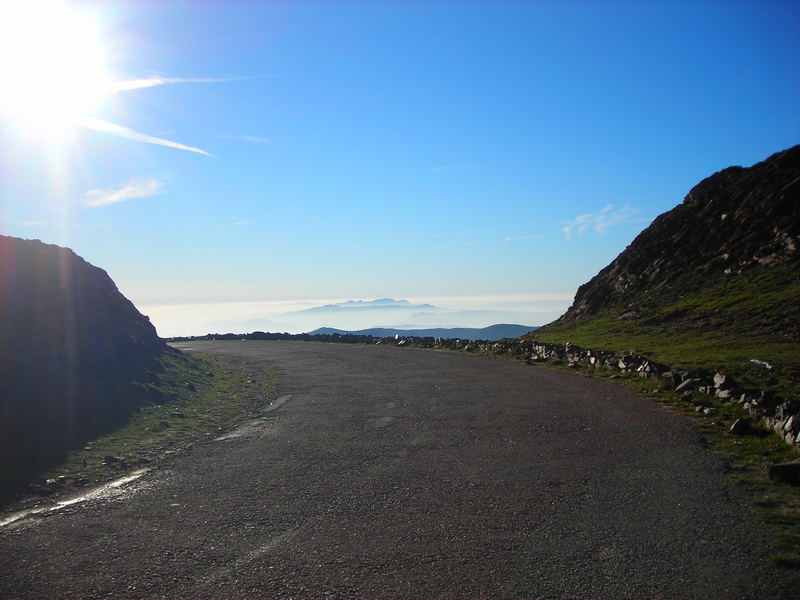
(52, 65)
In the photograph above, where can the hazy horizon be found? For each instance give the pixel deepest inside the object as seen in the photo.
(300, 316)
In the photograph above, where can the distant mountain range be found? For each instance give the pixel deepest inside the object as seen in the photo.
(493, 332)
(356, 305)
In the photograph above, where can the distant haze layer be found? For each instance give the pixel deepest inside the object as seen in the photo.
(299, 316)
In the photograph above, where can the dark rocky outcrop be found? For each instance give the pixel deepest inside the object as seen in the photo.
(736, 220)
(74, 355)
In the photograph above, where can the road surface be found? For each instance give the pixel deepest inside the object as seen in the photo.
(401, 473)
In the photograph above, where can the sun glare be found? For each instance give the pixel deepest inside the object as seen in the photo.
(52, 65)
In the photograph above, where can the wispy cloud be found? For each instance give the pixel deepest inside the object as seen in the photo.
(599, 221)
(515, 238)
(253, 139)
(113, 128)
(147, 82)
(136, 188)
(137, 84)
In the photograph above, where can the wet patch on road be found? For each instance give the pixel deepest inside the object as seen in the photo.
(113, 489)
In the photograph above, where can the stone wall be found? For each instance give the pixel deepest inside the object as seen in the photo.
(781, 414)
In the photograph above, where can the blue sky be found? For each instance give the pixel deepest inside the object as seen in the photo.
(483, 154)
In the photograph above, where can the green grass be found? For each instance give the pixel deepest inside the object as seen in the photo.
(720, 326)
(196, 399)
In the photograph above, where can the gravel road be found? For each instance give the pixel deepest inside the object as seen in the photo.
(397, 473)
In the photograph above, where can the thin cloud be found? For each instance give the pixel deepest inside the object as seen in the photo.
(136, 188)
(147, 82)
(599, 221)
(254, 139)
(240, 223)
(113, 128)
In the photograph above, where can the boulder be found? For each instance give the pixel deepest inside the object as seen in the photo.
(722, 381)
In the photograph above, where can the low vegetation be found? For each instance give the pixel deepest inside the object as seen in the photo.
(724, 326)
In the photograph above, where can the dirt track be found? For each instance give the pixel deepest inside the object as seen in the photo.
(391, 473)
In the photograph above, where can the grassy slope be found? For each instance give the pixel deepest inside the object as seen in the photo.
(721, 325)
(193, 399)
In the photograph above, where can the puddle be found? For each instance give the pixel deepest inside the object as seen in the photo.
(107, 490)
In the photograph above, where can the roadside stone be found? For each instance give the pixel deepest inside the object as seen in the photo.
(789, 425)
(722, 381)
(686, 384)
(786, 472)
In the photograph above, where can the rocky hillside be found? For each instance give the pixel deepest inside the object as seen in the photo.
(74, 354)
(737, 222)
(713, 283)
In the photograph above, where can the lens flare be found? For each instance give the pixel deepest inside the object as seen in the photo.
(52, 65)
